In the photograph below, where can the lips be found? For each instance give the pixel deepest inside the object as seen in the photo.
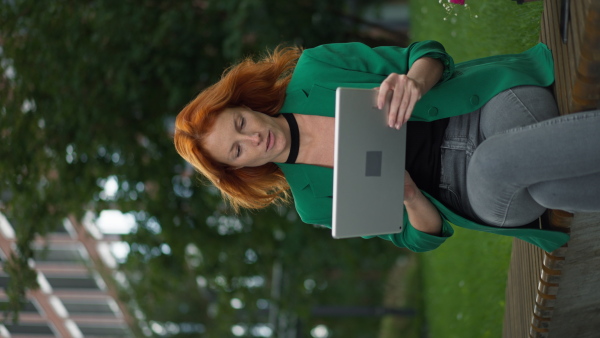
(269, 140)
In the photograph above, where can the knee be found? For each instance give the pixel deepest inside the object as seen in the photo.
(539, 101)
(513, 210)
(517, 107)
(547, 194)
(510, 222)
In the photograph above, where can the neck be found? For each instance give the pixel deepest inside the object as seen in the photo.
(317, 135)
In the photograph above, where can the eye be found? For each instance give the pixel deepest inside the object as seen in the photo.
(238, 151)
(242, 122)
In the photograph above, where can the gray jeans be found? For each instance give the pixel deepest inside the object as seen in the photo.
(506, 163)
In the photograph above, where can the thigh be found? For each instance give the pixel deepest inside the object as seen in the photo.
(517, 107)
(460, 141)
(513, 176)
(492, 196)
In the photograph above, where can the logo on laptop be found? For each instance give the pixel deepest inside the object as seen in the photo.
(373, 167)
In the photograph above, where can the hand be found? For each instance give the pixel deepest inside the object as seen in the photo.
(411, 191)
(405, 93)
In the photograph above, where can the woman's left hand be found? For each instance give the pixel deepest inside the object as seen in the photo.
(406, 92)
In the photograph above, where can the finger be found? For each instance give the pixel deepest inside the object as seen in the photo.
(403, 84)
(383, 90)
(403, 106)
(395, 102)
(381, 96)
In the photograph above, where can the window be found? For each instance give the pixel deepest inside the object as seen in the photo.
(4, 280)
(58, 255)
(88, 307)
(29, 329)
(104, 331)
(28, 308)
(74, 282)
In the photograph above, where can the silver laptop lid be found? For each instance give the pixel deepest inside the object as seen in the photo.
(368, 188)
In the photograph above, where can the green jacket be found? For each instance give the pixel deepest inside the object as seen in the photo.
(463, 88)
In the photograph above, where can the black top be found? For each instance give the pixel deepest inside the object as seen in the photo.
(423, 141)
(295, 137)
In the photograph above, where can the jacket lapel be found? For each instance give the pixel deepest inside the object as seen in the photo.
(302, 176)
(319, 100)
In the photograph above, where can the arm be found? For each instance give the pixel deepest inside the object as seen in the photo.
(422, 214)
(408, 88)
(425, 228)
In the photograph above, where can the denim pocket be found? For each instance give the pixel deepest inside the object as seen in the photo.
(449, 197)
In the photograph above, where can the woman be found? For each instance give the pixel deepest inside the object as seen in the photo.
(479, 149)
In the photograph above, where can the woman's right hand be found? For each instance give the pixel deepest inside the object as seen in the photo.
(405, 92)
(407, 89)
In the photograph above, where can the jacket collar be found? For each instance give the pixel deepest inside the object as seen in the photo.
(301, 176)
(320, 101)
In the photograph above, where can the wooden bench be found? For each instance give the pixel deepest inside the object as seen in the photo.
(534, 275)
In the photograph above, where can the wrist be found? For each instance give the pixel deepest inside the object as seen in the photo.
(414, 199)
(420, 84)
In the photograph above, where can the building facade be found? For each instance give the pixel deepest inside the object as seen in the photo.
(78, 281)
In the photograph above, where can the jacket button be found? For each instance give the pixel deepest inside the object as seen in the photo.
(474, 99)
(433, 111)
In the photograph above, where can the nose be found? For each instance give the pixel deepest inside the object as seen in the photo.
(253, 138)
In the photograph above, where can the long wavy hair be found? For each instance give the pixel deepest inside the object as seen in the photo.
(259, 85)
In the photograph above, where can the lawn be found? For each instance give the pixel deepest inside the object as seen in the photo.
(479, 29)
(462, 283)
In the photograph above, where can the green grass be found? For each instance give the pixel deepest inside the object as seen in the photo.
(482, 28)
(462, 283)
(458, 289)
(404, 289)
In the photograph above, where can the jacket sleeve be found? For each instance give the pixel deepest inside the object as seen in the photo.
(380, 60)
(409, 237)
(418, 241)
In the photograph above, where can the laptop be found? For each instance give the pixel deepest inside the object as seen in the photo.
(368, 173)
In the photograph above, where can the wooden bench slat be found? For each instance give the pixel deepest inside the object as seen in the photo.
(532, 286)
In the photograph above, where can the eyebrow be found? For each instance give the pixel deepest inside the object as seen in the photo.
(231, 150)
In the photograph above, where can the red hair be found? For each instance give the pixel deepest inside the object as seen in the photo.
(259, 85)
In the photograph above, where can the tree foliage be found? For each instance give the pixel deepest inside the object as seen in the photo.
(89, 90)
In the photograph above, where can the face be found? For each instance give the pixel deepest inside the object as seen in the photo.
(242, 137)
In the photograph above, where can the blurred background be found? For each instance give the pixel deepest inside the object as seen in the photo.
(106, 232)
